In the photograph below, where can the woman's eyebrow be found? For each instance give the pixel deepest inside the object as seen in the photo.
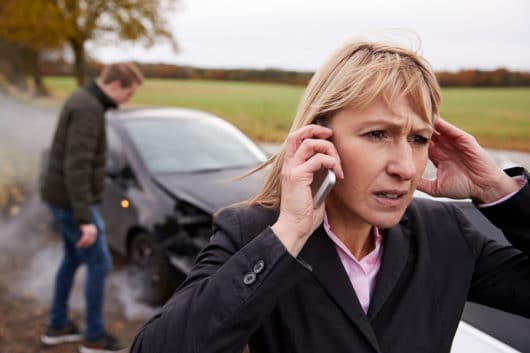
(392, 124)
(426, 130)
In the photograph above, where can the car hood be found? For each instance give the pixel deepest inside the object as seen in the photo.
(211, 190)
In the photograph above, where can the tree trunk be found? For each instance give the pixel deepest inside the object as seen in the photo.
(40, 88)
(78, 48)
(18, 73)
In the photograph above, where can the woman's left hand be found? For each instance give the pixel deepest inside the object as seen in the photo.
(464, 169)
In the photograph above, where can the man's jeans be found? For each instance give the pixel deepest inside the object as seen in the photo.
(98, 260)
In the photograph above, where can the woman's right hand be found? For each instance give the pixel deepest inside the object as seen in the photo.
(306, 152)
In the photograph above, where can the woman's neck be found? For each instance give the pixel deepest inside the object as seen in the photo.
(355, 234)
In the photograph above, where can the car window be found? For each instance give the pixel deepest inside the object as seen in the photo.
(191, 145)
(114, 150)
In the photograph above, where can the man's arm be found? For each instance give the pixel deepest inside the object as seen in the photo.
(82, 136)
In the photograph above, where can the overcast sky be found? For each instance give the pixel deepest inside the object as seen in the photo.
(300, 34)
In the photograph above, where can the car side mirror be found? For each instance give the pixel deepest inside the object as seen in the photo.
(121, 173)
(113, 167)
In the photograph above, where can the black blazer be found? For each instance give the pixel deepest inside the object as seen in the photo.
(246, 288)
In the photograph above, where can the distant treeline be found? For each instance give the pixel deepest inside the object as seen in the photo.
(464, 78)
(62, 68)
(495, 78)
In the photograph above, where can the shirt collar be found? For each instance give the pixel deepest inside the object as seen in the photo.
(107, 102)
(373, 254)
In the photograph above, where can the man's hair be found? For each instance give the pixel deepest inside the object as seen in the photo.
(126, 73)
(354, 76)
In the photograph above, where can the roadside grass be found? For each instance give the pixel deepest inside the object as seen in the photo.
(497, 117)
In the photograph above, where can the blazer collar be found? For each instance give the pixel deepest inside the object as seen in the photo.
(395, 255)
(321, 254)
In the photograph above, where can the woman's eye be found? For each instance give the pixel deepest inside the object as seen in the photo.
(377, 134)
(419, 140)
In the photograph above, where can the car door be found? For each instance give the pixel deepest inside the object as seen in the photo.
(117, 208)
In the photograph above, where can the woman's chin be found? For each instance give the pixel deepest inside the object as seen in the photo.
(386, 220)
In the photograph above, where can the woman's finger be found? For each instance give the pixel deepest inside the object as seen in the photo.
(436, 153)
(305, 171)
(310, 147)
(320, 161)
(455, 137)
(444, 141)
(446, 129)
(324, 161)
(427, 186)
(295, 138)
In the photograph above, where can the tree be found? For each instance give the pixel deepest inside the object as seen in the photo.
(27, 28)
(44, 23)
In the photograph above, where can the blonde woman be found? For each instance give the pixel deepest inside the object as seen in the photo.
(371, 270)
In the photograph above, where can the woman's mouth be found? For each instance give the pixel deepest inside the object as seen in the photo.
(390, 198)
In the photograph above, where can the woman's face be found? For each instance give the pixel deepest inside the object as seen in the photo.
(383, 152)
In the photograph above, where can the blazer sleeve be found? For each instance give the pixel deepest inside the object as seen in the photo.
(236, 280)
(501, 278)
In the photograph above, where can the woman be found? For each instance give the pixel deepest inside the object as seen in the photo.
(371, 270)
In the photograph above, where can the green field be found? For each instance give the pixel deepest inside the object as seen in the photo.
(498, 117)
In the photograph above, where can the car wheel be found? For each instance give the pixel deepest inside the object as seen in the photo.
(149, 271)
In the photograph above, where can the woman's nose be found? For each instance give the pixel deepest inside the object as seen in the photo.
(401, 161)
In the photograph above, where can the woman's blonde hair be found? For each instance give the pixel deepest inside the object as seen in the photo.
(355, 75)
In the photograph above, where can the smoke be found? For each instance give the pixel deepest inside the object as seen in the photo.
(33, 251)
(125, 292)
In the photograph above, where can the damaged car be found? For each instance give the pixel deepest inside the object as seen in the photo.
(168, 171)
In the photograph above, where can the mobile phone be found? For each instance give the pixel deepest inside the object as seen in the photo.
(323, 182)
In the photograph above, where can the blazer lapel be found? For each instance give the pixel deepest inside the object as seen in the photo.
(320, 253)
(395, 256)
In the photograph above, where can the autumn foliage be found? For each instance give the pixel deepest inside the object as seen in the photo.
(496, 78)
(43, 25)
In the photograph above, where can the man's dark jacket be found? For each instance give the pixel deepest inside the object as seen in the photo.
(246, 287)
(75, 170)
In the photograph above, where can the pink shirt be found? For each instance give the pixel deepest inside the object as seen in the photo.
(362, 273)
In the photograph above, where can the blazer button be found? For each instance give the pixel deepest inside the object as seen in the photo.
(249, 278)
(259, 266)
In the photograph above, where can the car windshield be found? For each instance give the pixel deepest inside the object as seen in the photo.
(191, 145)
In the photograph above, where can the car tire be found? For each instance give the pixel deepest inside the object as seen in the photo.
(149, 271)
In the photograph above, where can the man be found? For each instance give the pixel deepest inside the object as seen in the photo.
(72, 187)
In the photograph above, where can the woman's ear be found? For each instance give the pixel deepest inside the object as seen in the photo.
(319, 121)
(322, 120)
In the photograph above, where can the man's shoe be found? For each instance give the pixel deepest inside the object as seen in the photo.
(105, 344)
(69, 333)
